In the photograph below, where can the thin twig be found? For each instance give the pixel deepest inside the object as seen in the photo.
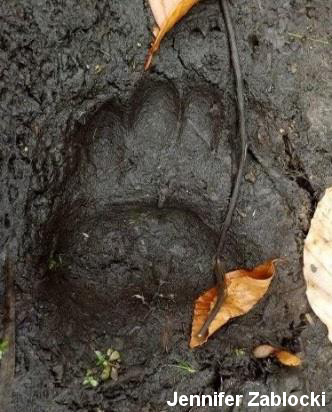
(7, 366)
(242, 128)
(243, 139)
(305, 37)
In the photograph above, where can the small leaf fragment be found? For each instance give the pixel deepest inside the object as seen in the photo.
(244, 288)
(115, 355)
(106, 372)
(114, 374)
(3, 347)
(100, 357)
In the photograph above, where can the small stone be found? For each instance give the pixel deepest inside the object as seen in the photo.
(58, 372)
(98, 68)
(250, 177)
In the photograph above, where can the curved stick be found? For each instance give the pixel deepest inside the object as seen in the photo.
(7, 367)
(243, 136)
(235, 193)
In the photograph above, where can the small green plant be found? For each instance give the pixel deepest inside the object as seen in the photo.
(107, 366)
(185, 366)
(3, 347)
(239, 352)
(54, 262)
(90, 379)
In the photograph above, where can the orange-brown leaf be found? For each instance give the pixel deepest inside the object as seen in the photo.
(283, 356)
(244, 288)
(161, 9)
(287, 358)
(167, 13)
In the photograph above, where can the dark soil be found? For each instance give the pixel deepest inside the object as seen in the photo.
(114, 185)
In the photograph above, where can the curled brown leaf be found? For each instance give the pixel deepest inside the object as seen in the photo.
(244, 288)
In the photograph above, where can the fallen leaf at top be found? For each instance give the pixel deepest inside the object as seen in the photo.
(283, 356)
(166, 13)
(244, 288)
(161, 9)
(317, 261)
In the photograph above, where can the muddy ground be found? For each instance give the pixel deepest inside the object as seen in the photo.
(115, 182)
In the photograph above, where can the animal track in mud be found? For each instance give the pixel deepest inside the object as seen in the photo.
(146, 190)
(150, 186)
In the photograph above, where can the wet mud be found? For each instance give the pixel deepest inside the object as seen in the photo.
(115, 183)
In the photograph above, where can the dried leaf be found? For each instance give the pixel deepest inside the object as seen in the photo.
(161, 9)
(114, 374)
(287, 358)
(263, 351)
(106, 372)
(114, 356)
(166, 13)
(244, 288)
(317, 261)
(283, 356)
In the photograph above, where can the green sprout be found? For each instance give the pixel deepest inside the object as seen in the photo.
(239, 352)
(54, 262)
(185, 366)
(90, 379)
(107, 366)
(3, 347)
